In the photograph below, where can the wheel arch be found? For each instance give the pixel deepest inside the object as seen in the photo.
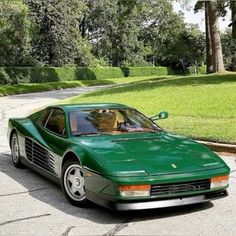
(70, 156)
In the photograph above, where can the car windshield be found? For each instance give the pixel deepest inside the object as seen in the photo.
(110, 121)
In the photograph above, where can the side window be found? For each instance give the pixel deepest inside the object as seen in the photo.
(56, 122)
(44, 116)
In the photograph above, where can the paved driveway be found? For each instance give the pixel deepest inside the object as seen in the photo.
(32, 205)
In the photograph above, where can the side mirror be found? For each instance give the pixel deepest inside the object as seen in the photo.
(160, 116)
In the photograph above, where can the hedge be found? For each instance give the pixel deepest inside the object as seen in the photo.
(144, 71)
(194, 70)
(16, 75)
(99, 73)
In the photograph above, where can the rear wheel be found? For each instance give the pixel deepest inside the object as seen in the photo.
(73, 183)
(15, 150)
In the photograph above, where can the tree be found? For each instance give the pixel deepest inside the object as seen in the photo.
(213, 17)
(160, 26)
(112, 29)
(57, 40)
(233, 8)
(213, 42)
(209, 57)
(129, 32)
(15, 34)
(187, 48)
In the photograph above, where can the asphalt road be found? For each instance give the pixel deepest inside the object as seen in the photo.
(32, 205)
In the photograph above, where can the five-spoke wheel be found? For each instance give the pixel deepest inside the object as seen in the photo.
(73, 183)
(15, 150)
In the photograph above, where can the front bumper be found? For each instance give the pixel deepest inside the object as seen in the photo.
(151, 204)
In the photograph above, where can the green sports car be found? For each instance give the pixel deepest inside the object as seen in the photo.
(117, 157)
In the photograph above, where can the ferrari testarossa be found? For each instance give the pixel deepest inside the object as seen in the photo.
(115, 156)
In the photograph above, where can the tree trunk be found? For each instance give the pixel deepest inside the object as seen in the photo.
(233, 24)
(233, 9)
(209, 58)
(218, 63)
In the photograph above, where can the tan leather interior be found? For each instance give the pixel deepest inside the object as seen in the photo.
(106, 122)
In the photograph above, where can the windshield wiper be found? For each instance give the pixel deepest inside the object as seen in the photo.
(84, 134)
(143, 131)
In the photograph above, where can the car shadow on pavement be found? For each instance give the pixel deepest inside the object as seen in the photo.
(47, 192)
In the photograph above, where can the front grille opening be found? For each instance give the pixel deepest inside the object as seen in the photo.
(191, 186)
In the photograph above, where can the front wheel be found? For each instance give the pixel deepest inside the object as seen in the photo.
(72, 182)
(15, 150)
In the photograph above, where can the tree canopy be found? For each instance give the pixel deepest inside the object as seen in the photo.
(98, 33)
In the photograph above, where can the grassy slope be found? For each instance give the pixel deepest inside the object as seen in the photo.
(38, 87)
(201, 107)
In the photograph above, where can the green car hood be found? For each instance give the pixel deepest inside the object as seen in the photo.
(150, 154)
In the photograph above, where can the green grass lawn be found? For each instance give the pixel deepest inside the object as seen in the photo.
(202, 107)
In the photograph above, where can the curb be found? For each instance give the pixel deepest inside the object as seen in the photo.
(219, 147)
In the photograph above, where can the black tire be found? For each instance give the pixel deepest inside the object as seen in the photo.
(72, 182)
(15, 151)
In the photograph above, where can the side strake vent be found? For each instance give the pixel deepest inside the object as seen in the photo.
(39, 155)
(29, 148)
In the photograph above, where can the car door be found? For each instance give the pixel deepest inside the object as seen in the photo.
(54, 134)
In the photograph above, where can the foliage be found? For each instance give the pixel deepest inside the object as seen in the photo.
(15, 34)
(57, 41)
(229, 47)
(4, 77)
(144, 71)
(130, 33)
(160, 26)
(112, 29)
(99, 73)
(16, 75)
(101, 33)
(186, 49)
(196, 70)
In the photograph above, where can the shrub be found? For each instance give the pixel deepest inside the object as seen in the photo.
(51, 74)
(16, 75)
(144, 71)
(98, 73)
(108, 72)
(202, 69)
(194, 70)
(4, 77)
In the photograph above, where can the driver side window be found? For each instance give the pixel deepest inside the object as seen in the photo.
(56, 122)
(44, 116)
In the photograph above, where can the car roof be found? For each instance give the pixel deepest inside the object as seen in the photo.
(82, 106)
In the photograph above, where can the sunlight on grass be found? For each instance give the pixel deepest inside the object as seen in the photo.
(199, 106)
(39, 87)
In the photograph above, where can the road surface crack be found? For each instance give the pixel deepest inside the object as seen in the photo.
(68, 229)
(124, 223)
(29, 191)
(22, 219)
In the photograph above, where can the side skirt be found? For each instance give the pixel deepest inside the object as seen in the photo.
(41, 171)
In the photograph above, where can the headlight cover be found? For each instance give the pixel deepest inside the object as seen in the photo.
(135, 191)
(219, 182)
